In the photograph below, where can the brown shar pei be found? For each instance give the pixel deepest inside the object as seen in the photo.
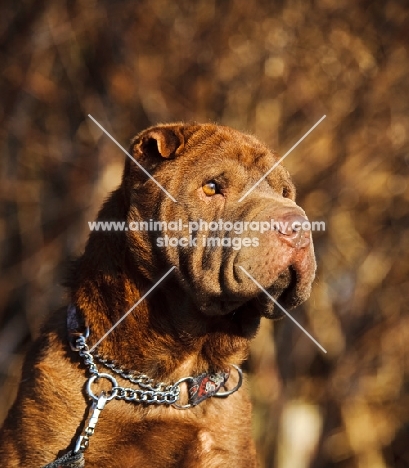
(196, 325)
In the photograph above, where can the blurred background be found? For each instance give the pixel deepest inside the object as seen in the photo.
(272, 68)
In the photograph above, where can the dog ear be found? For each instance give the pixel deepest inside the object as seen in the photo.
(162, 142)
(153, 146)
(157, 143)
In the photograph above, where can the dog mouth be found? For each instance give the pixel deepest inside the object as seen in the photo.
(290, 288)
(243, 319)
(283, 291)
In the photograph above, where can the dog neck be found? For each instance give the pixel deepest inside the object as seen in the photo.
(162, 338)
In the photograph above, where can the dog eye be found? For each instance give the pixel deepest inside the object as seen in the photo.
(285, 192)
(210, 188)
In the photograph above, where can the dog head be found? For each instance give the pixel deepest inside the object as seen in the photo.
(218, 234)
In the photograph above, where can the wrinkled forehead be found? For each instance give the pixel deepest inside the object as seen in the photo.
(219, 140)
(216, 143)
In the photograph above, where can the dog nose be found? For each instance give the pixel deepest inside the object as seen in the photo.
(294, 229)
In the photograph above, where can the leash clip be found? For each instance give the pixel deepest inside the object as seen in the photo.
(95, 410)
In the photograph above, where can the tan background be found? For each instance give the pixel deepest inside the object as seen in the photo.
(272, 68)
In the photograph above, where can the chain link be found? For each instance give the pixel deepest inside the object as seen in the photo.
(147, 396)
(149, 393)
(83, 350)
(137, 378)
(152, 394)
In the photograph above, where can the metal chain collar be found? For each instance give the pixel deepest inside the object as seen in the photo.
(159, 393)
(201, 387)
(150, 394)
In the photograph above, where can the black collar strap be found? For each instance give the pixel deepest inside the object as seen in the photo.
(76, 326)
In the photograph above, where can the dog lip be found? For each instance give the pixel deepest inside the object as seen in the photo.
(230, 306)
(288, 296)
(289, 291)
